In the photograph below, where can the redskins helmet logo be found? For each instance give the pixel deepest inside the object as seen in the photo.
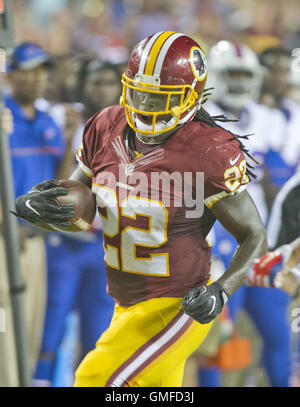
(198, 63)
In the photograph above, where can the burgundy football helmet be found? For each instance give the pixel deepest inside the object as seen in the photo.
(164, 81)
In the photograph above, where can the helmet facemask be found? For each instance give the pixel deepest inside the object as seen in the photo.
(240, 86)
(236, 74)
(152, 109)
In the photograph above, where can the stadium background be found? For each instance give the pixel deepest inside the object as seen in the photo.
(80, 30)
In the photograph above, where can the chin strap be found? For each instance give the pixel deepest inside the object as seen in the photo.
(157, 140)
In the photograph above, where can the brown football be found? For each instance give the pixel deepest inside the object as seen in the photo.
(85, 207)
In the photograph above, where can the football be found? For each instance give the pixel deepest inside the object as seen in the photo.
(85, 207)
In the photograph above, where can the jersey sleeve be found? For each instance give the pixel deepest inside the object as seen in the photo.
(225, 169)
(94, 137)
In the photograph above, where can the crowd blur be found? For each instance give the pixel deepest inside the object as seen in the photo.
(89, 42)
(109, 29)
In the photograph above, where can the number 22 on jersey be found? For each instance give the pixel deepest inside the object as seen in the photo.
(156, 264)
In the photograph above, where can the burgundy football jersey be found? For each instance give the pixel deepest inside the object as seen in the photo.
(155, 205)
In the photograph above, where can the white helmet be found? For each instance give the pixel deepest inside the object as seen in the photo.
(294, 80)
(226, 63)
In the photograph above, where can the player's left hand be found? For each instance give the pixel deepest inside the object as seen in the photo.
(204, 303)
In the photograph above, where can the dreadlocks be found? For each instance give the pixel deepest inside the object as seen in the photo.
(203, 116)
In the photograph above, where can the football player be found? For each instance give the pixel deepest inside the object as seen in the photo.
(237, 77)
(156, 254)
(280, 267)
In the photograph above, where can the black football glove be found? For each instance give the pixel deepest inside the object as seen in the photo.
(204, 303)
(45, 185)
(38, 205)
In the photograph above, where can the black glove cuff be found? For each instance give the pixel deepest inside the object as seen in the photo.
(222, 292)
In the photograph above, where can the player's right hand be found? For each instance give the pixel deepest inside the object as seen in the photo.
(39, 205)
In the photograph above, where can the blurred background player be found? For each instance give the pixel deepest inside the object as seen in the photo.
(76, 276)
(237, 78)
(280, 268)
(283, 231)
(284, 226)
(37, 148)
(282, 67)
(281, 162)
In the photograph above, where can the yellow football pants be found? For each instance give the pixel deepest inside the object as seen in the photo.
(146, 345)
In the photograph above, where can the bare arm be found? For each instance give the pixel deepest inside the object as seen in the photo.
(80, 176)
(239, 216)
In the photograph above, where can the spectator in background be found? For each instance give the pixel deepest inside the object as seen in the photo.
(99, 87)
(62, 94)
(148, 17)
(76, 275)
(114, 25)
(97, 34)
(63, 79)
(37, 148)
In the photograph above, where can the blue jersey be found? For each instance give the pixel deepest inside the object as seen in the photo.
(36, 146)
(280, 171)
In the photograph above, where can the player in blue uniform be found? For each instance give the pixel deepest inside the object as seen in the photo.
(37, 148)
(237, 69)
